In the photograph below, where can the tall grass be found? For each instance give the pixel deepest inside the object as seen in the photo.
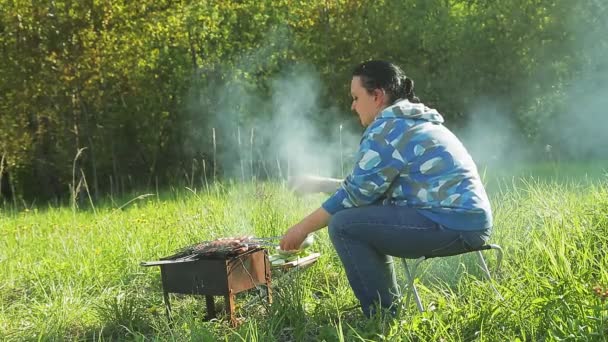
(77, 277)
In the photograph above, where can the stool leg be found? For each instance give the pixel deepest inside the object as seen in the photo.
(484, 267)
(498, 251)
(411, 287)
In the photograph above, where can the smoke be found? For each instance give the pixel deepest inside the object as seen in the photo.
(566, 120)
(309, 138)
(281, 128)
(579, 129)
(491, 137)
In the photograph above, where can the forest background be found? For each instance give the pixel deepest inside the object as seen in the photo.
(114, 96)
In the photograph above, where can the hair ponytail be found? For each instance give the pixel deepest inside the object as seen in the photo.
(402, 89)
(408, 85)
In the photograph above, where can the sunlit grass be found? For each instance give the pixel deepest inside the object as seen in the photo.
(71, 277)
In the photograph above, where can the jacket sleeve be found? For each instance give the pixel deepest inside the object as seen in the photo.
(378, 164)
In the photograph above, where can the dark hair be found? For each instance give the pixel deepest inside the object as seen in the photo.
(384, 75)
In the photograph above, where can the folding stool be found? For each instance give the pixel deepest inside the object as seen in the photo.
(482, 263)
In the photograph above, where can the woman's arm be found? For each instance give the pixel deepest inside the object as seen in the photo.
(378, 163)
(294, 237)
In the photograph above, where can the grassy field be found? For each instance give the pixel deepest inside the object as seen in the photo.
(75, 275)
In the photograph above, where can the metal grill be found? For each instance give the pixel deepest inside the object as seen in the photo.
(221, 272)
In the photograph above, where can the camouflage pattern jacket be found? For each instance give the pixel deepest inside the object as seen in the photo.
(408, 158)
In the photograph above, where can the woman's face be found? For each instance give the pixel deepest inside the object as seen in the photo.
(365, 104)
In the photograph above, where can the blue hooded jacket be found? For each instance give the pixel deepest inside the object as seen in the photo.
(408, 158)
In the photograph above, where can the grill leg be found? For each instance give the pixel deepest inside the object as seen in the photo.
(167, 304)
(268, 278)
(231, 308)
(210, 306)
(411, 287)
(163, 276)
(269, 293)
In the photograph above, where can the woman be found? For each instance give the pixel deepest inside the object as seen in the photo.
(413, 191)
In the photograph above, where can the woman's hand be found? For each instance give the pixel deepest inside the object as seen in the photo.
(293, 238)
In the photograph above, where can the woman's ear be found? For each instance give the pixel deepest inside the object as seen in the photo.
(379, 96)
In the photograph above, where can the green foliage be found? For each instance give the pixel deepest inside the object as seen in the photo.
(77, 277)
(122, 313)
(138, 84)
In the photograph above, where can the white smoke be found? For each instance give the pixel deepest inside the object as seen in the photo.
(307, 147)
(580, 128)
(293, 131)
(491, 137)
(567, 117)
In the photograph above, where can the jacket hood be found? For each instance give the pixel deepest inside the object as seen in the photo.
(415, 111)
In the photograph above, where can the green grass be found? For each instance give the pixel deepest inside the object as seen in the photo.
(76, 276)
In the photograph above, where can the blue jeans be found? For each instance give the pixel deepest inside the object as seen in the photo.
(365, 238)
